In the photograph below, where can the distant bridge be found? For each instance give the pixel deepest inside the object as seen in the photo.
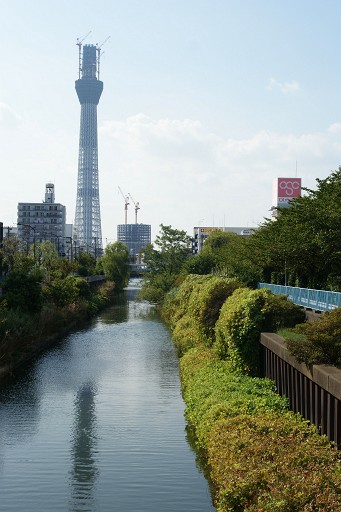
(137, 269)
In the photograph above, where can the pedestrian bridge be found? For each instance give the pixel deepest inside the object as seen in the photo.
(317, 300)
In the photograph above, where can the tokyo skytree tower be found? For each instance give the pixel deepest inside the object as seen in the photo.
(87, 226)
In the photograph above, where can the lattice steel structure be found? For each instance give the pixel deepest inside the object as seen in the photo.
(87, 227)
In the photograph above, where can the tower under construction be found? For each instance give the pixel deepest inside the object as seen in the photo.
(87, 227)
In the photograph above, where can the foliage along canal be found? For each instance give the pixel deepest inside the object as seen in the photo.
(97, 424)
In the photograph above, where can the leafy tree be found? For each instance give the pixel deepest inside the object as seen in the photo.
(200, 264)
(164, 260)
(47, 257)
(11, 256)
(22, 290)
(172, 249)
(69, 290)
(115, 264)
(86, 264)
(232, 256)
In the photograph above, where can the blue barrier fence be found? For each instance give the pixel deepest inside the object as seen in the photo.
(318, 300)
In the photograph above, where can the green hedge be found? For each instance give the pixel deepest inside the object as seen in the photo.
(260, 456)
(272, 462)
(212, 392)
(243, 317)
(193, 308)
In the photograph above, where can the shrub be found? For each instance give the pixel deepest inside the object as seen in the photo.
(186, 335)
(261, 456)
(211, 391)
(66, 291)
(15, 323)
(280, 312)
(23, 291)
(206, 301)
(193, 309)
(199, 264)
(318, 342)
(238, 329)
(175, 304)
(272, 462)
(243, 317)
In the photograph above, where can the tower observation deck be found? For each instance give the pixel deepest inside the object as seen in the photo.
(87, 226)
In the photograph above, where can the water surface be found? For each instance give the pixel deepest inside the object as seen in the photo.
(96, 423)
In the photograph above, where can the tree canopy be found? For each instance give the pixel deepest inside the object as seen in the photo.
(303, 246)
(164, 260)
(115, 264)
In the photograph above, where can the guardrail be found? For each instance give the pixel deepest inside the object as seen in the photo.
(318, 300)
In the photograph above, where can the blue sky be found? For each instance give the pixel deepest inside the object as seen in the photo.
(205, 102)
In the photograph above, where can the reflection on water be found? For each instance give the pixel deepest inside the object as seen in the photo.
(84, 470)
(96, 424)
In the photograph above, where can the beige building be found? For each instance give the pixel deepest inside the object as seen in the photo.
(200, 233)
(38, 222)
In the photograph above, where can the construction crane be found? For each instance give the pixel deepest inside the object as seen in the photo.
(99, 53)
(137, 207)
(79, 44)
(126, 204)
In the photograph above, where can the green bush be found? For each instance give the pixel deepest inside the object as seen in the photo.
(206, 301)
(280, 312)
(238, 329)
(211, 392)
(14, 323)
(200, 264)
(186, 335)
(243, 317)
(192, 310)
(318, 342)
(261, 456)
(175, 304)
(154, 290)
(22, 291)
(62, 292)
(273, 462)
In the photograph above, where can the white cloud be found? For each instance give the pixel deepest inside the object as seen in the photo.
(181, 172)
(335, 128)
(285, 88)
(8, 117)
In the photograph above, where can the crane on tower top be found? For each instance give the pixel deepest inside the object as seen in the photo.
(79, 44)
(99, 53)
(126, 204)
(137, 207)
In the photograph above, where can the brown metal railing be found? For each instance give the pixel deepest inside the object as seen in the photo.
(314, 393)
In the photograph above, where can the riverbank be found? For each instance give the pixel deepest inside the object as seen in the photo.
(29, 335)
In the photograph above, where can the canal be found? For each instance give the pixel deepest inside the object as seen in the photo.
(97, 424)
